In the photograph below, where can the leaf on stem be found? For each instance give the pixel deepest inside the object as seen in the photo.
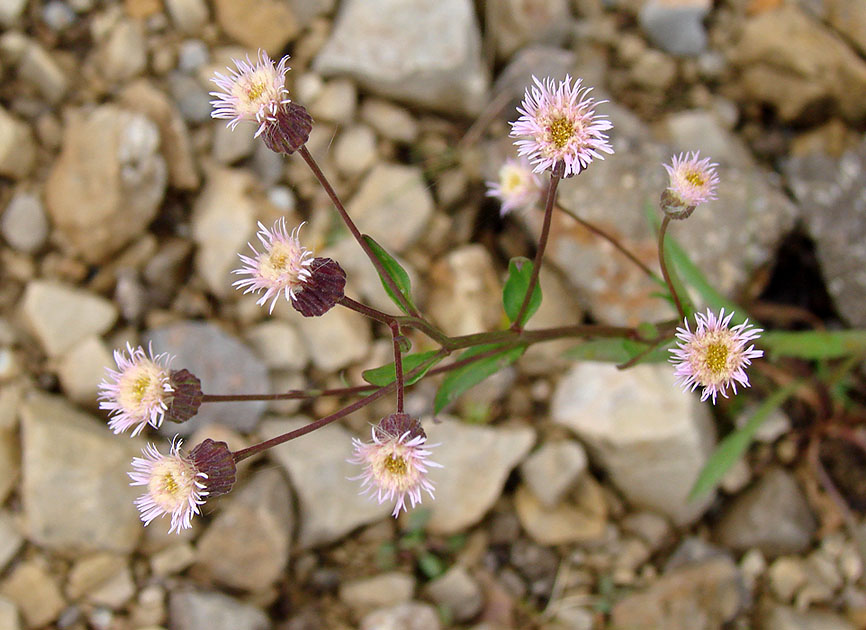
(736, 443)
(616, 351)
(396, 273)
(386, 374)
(514, 291)
(467, 376)
(815, 344)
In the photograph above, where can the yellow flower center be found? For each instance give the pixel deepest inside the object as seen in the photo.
(255, 90)
(283, 260)
(512, 182)
(561, 131)
(716, 358)
(395, 465)
(140, 387)
(169, 483)
(695, 179)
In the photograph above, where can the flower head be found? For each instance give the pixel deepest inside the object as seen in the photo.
(253, 91)
(692, 182)
(177, 484)
(518, 186)
(174, 486)
(139, 392)
(395, 462)
(282, 268)
(714, 356)
(562, 126)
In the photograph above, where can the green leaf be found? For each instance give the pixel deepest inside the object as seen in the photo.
(736, 443)
(467, 376)
(815, 344)
(395, 271)
(514, 291)
(616, 351)
(430, 565)
(386, 374)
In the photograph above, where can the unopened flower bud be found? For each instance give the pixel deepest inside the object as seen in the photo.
(186, 398)
(215, 460)
(674, 206)
(321, 290)
(289, 130)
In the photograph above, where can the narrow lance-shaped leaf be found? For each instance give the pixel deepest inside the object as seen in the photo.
(514, 291)
(616, 351)
(815, 344)
(467, 376)
(736, 443)
(396, 273)
(385, 374)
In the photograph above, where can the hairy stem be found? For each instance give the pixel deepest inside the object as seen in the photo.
(326, 185)
(613, 241)
(555, 176)
(667, 276)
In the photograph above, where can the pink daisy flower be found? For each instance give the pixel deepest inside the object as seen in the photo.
(693, 181)
(175, 486)
(561, 125)
(714, 356)
(253, 91)
(139, 392)
(517, 188)
(281, 269)
(395, 462)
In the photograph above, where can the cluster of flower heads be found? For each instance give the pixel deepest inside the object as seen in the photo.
(559, 131)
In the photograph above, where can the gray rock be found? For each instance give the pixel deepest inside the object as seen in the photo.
(279, 345)
(676, 28)
(335, 101)
(35, 591)
(785, 576)
(651, 528)
(24, 224)
(270, 25)
(92, 573)
(393, 205)
(553, 469)
(458, 592)
(650, 437)
(466, 294)
(122, 55)
(701, 130)
(849, 18)
(231, 145)
(189, 16)
(17, 147)
(253, 530)
(38, 68)
(223, 364)
(192, 99)
(389, 120)
(702, 596)
(82, 368)
(514, 24)
(75, 490)
(193, 610)
(61, 316)
(786, 618)
(108, 182)
(462, 495)
(381, 590)
(580, 520)
(337, 339)
(10, 11)
(306, 10)
(793, 63)
(9, 615)
(429, 55)
(10, 539)
(408, 616)
(833, 200)
(330, 505)
(223, 222)
(355, 150)
(175, 142)
(773, 515)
